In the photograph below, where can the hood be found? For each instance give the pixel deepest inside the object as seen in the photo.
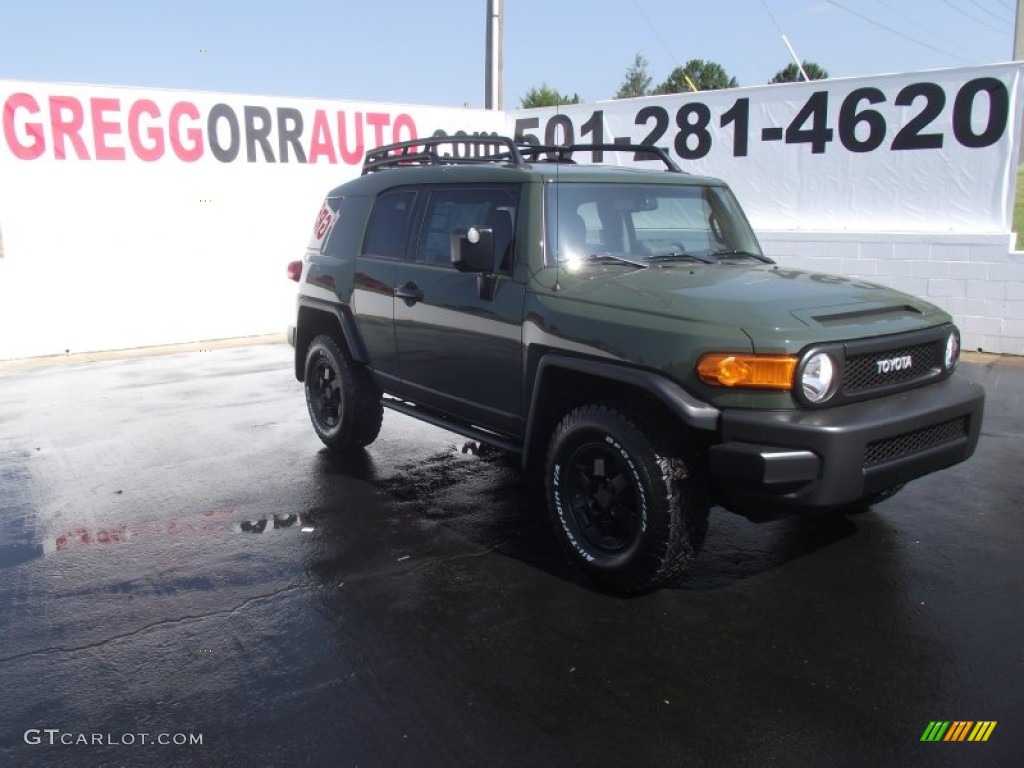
(769, 303)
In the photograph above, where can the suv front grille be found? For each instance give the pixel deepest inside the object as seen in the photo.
(891, 448)
(862, 373)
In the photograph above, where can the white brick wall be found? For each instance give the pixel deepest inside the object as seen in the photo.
(976, 278)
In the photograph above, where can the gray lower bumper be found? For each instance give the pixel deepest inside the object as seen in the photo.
(835, 456)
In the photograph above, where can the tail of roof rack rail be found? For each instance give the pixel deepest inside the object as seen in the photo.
(516, 153)
(562, 153)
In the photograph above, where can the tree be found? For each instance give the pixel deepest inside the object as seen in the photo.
(545, 96)
(790, 73)
(706, 76)
(637, 82)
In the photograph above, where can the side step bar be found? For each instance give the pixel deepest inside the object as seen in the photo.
(466, 430)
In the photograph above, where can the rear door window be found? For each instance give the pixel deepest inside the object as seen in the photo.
(387, 234)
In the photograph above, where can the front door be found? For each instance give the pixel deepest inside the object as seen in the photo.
(457, 350)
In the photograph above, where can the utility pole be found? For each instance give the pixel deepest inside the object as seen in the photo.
(1018, 55)
(1018, 37)
(494, 63)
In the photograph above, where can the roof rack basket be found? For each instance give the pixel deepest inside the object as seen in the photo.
(519, 153)
(425, 152)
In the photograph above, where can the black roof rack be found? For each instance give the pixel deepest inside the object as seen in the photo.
(517, 153)
(424, 152)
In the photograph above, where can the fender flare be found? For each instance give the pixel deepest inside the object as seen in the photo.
(342, 313)
(690, 411)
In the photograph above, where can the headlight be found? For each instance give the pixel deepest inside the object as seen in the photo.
(952, 350)
(817, 376)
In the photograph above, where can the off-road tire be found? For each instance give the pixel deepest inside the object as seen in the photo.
(344, 405)
(622, 499)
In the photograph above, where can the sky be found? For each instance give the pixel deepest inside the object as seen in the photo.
(408, 52)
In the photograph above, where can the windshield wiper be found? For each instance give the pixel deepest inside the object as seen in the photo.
(614, 257)
(726, 253)
(677, 255)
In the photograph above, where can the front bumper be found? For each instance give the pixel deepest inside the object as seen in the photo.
(835, 456)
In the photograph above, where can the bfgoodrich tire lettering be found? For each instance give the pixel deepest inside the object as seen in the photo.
(344, 405)
(622, 501)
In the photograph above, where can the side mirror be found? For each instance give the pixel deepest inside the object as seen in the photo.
(473, 250)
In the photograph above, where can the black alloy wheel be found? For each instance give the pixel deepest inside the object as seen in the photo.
(343, 403)
(622, 499)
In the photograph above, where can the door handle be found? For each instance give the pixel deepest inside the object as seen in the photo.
(410, 293)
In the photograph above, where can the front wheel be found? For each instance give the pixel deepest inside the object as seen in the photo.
(344, 405)
(623, 502)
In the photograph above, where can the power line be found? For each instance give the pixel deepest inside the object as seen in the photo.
(771, 15)
(657, 34)
(898, 33)
(1005, 5)
(917, 22)
(972, 17)
(796, 59)
(995, 16)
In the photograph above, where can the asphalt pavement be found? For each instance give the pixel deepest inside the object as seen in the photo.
(188, 578)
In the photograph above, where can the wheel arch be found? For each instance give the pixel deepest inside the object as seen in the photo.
(320, 317)
(563, 382)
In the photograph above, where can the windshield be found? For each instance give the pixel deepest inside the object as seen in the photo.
(645, 223)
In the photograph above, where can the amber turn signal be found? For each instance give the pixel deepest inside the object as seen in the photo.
(755, 371)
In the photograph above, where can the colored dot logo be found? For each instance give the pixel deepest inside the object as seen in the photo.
(206, 650)
(205, 200)
(206, 50)
(958, 730)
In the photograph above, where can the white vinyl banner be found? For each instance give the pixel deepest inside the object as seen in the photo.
(132, 217)
(922, 152)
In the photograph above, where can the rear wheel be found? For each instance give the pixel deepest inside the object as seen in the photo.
(344, 405)
(624, 503)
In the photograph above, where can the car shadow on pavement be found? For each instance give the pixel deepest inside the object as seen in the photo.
(358, 465)
(487, 500)
(737, 549)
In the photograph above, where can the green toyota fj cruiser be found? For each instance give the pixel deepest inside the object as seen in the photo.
(620, 329)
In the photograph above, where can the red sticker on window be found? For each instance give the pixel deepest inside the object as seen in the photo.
(323, 222)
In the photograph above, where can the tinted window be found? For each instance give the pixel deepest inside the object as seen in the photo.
(449, 210)
(388, 231)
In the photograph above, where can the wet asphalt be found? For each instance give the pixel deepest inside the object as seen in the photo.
(179, 558)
